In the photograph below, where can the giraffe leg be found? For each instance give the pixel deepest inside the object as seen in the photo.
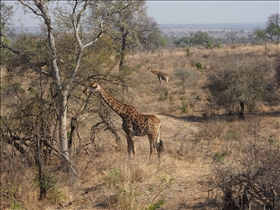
(130, 145)
(133, 147)
(152, 144)
(159, 79)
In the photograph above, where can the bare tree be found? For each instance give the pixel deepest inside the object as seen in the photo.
(76, 17)
(130, 25)
(240, 80)
(232, 36)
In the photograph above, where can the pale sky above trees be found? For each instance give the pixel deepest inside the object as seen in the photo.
(167, 12)
(212, 11)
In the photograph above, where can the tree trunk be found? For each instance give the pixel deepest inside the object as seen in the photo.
(62, 129)
(241, 113)
(124, 36)
(43, 190)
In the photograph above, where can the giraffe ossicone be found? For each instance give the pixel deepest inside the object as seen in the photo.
(134, 122)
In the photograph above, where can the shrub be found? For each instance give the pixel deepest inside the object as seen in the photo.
(198, 65)
(218, 45)
(209, 45)
(188, 50)
(248, 175)
(242, 81)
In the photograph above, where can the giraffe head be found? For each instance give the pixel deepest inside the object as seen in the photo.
(93, 87)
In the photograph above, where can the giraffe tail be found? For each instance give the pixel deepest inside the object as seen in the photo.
(159, 143)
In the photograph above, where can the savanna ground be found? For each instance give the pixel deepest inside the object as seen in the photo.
(202, 144)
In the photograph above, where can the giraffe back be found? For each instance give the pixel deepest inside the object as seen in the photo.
(141, 124)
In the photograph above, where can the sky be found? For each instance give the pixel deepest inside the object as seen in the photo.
(167, 12)
(190, 12)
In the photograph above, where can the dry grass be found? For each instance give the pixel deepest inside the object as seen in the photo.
(184, 177)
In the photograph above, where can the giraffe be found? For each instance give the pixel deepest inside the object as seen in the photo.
(134, 122)
(161, 75)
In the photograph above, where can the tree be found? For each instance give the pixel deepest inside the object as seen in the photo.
(63, 82)
(184, 40)
(200, 37)
(129, 25)
(185, 75)
(273, 26)
(271, 31)
(232, 36)
(242, 80)
(154, 39)
(260, 35)
(6, 14)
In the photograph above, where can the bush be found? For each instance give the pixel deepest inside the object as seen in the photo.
(246, 166)
(209, 45)
(242, 81)
(184, 75)
(188, 50)
(218, 45)
(199, 65)
(125, 193)
(252, 180)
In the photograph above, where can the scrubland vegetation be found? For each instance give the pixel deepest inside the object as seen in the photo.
(220, 116)
(211, 159)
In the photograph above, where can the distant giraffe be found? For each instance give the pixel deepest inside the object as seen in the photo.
(161, 75)
(134, 122)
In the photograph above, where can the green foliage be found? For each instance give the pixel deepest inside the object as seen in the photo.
(188, 51)
(32, 90)
(218, 45)
(164, 96)
(5, 54)
(221, 156)
(113, 178)
(139, 65)
(118, 57)
(184, 108)
(260, 35)
(156, 39)
(15, 206)
(128, 193)
(154, 192)
(182, 40)
(233, 135)
(49, 182)
(273, 140)
(209, 45)
(198, 65)
(156, 205)
(201, 38)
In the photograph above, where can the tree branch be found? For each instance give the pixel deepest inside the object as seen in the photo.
(24, 57)
(64, 156)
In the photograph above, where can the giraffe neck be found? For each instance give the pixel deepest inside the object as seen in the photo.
(116, 105)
